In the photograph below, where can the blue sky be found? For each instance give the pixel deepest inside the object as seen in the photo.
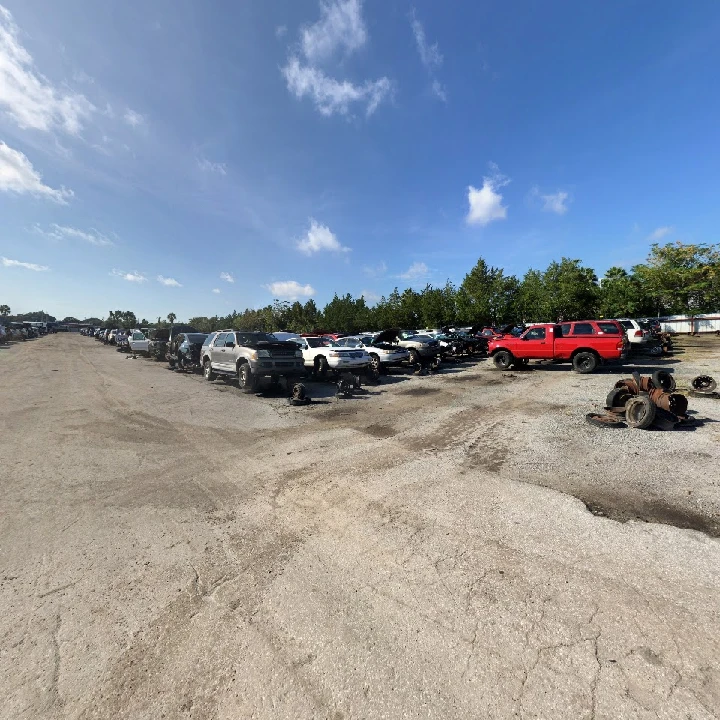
(299, 148)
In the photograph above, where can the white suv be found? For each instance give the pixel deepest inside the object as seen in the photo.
(323, 355)
(635, 334)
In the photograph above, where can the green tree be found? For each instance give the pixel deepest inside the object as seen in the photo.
(70, 319)
(171, 317)
(622, 295)
(4, 310)
(533, 303)
(572, 290)
(487, 296)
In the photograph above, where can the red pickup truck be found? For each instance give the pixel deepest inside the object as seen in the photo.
(584, 343)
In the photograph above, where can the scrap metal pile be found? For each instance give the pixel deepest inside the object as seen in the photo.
(644, 402)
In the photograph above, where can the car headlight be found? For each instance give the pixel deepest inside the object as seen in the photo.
(334, 354)
(298, 353)
(263, 353)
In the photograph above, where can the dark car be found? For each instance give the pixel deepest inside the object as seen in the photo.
(183, 350)
(159, 338)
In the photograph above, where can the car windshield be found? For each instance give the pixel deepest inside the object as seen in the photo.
(255, 337)
(195, 337)
(315, 342)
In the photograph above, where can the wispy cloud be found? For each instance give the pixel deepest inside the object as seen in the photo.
(417, 271)
(554, 202)
(17, 175)
(168, 282)
(134, 277)
(227, 277)
(371, 298)
(375, 271)
(486, 203)
(27, 266)
(430, 56)
(340, 28)
(62, 232)
(216, 291)
(290, 290)
(133, 119)
(212, 167)
(318, 238)
(660, 233)
(28, 97)
(331, 96)
(281, 31)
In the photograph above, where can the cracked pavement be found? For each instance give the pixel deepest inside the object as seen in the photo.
(173, 548)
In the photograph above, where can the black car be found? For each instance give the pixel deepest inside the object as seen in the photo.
(159, 339)
(183, 350)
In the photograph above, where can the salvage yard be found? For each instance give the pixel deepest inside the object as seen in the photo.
(456, 545)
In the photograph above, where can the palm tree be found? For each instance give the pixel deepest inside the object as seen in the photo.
(4, 310)
(171, 318)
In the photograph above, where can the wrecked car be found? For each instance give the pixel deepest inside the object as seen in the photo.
(183, 351)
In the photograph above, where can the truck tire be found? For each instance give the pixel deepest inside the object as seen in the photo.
(246, 380)
(640, 412)
(375, 362)
(207, 371)
(503, 359)
(664, 380)
(585, 362)
(414, 357)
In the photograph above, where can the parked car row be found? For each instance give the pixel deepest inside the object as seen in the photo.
(22, 330)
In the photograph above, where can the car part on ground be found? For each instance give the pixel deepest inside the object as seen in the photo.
(349, 385)
(605, 420)
(703, 384)
(299, 395)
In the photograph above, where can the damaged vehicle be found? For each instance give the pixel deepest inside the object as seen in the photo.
(422, 348)
(184, 350)
(324, 356)
(383, 354)
(159, 339)
(250, 356)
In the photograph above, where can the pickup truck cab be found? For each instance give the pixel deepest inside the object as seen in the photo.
(584, 343)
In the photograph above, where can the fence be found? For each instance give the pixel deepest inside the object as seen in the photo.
(697, 324)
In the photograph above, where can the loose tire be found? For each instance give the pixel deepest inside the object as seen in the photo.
(503, 359)
(322, 368)
(664, 380)
(246, 380)
(640, 412)
(585, 362)
(207, 371)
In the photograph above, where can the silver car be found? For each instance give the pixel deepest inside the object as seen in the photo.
(382, 354)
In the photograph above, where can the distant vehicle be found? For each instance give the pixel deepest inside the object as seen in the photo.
(585, 343)
(383, 355)
(138, 342)
(635, 333)
(324, 356)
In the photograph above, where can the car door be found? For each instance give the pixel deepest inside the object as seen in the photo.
(535, 343)
(138, 342)
(217, 351)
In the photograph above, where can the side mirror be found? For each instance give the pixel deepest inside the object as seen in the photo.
(230, 343)
(524, 337)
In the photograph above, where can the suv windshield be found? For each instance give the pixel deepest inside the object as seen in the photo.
(315, 342)
(195, 337)
(255, 337)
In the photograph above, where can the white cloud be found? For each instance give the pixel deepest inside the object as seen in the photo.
(17, 175)
(371, 298)
(331, 96)
(554, 202)
(417, 271)
(340, 25)
(290, 290)
(281, 31)
(216, 291)
(227, 277)
(430, 55)
(16, 263)
(27, 96)
(135, 277)
(208, 166)
(61, 232)
(168, 282)
(133, 119)
(660, 232)
(318, 238)
(438, 90)
(375, 271)
(486, 203)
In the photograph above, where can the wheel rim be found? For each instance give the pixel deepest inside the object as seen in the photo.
(375, 362)
(207, 369)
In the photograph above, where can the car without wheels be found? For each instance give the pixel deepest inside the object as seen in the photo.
(383, 355)
(586, 344)
(250, 356)
(324, 356)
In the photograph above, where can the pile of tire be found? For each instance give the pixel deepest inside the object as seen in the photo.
(643, 402)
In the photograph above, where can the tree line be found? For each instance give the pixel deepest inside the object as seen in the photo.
(676, 279)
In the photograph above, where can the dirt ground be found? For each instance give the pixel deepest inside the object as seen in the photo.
(462, 545)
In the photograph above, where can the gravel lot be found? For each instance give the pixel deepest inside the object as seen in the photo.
(173, 548)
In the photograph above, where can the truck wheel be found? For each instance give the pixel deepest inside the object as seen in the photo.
(207, 371)
(321, 367)
(640, 412)
(503, 359)
(246, 379)
(414, 357)
(585, 362)
(663, 379)
(375, 362)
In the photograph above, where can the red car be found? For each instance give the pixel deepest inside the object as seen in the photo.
(584, 343)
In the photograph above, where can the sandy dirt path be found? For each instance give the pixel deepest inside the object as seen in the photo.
(174, 548)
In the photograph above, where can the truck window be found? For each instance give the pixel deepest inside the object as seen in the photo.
(609, 328)
(565, 329)
(535, 334)
(583, 329)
